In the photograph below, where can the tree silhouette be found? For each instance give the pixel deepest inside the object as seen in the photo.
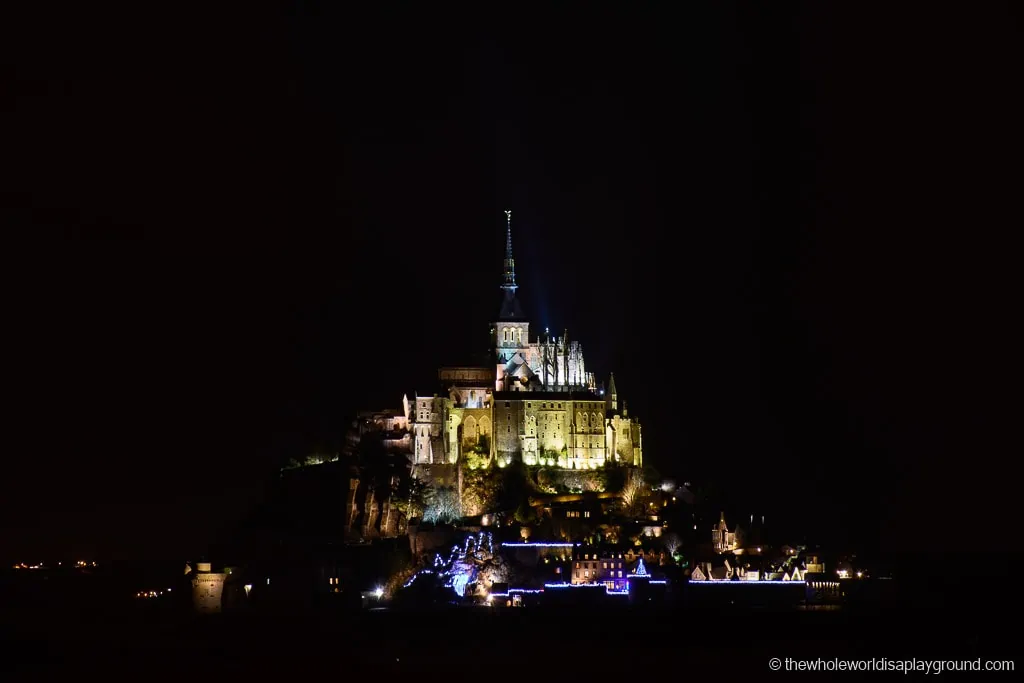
(672, 543)
(633, 490)
(443, 505)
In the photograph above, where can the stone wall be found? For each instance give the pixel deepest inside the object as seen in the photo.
(428, 417)
(476, 422)
(351, 506)
(437, 475)
(572, 481)
(532, 556)
(587, 449)
(508, 428)
(441, 540)
(207, 591)
(370, 513)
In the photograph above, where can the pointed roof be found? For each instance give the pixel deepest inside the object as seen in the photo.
(510, 307)
(510, 263)
(511, 310)
(611, 385)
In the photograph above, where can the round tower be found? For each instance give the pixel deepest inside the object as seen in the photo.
(207, 589)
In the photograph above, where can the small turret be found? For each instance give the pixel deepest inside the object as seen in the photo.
(612, 395)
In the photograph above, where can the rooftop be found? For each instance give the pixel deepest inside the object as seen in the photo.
(547, 396)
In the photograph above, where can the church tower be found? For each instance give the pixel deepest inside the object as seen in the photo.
(512, 330)
(612, 395)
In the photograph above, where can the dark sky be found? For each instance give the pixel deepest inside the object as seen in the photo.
(778, 226)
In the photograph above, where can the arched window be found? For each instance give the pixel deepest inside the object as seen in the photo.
(504, 334)
(485, 425)
(519, 335)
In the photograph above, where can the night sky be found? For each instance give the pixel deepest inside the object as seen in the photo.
(778, 227)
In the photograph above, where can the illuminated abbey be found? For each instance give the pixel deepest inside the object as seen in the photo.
(537, 403)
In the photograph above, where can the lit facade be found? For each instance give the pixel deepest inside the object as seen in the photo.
(722, 539)
(538, 403)
(590, 566)
(207, 589)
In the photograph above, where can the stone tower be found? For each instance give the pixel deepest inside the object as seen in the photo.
(207, 589)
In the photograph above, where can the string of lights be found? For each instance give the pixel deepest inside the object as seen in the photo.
(715, 582)
(457, 571)
(607, 590)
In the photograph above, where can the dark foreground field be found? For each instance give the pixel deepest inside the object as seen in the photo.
(469, 643)
(93, 630)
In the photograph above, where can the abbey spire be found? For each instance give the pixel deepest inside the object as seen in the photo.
(510, 308)
(510, 263)
(535, 401)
